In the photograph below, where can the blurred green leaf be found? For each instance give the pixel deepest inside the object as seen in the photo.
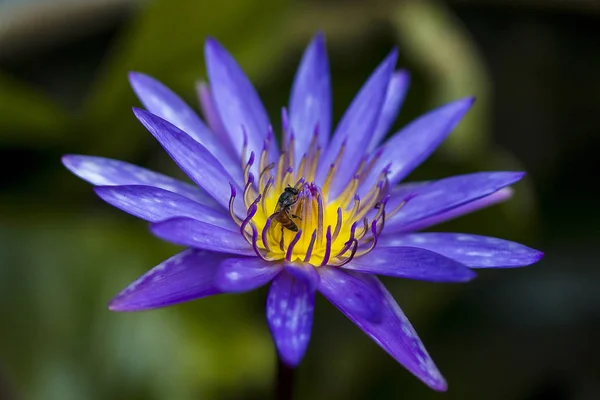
(63, 273)
(435, 40)
(166, 40)
(27, 116)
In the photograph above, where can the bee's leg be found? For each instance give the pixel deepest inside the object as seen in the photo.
(281, 243)
(296, 216)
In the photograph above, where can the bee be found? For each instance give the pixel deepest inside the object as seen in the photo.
(283, 212)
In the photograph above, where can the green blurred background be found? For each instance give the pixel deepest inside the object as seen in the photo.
(523, 334)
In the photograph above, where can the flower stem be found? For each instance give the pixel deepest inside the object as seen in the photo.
(285, 381)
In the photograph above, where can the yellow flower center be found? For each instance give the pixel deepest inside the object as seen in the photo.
(290, 218)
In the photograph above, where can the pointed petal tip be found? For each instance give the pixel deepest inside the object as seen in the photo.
(536, 256)
(517, 176)
(135, 77)
(318, 40)
(392, 57)
(402, 74)
(469, 275)
(139, 112)
(212, 46)
(440, 385)
(463, 104)
(146, 117)
(68, 159)
(102, 190)
(119, 303)
(114, 305)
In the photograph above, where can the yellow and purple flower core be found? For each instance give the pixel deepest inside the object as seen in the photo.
(319, 213)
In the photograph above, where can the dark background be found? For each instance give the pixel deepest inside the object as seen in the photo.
(523, 334)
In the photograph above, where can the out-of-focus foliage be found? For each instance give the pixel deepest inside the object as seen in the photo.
(64, 253)
(28, 117)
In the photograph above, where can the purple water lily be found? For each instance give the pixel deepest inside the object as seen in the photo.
(319, 213)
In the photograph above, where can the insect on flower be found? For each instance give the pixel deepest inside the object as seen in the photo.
(283, 213)
(346, 219)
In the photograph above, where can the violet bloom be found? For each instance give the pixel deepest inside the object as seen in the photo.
(349, 220)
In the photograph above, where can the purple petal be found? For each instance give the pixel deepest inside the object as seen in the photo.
(304, 272)
(162, 102)
(186, 276)
(396, 336)
(471, 250)
(357, 126)
(412, 263)
(107, 172)
(210, 112)
(394, 97)
(192, 158)
(414, 143)
(192, 233)
(290, 307)
(245, 274)
(475, 205)
(310, 101)
(343, 288)
(238, 103)
(446, 194)
(154, 204)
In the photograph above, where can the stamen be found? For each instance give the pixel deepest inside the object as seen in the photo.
(350, 189)
(313, 165)
(367, 172)
(381, 213)
(354, 244)
(373, 242)
(329, 177)
(338, 224)
(327, 247)
(263, 173)
(286, 178)
(266, 194)
(302, 166)
(279, 172)
(355, 208)
(372, 198)
(312, 147)
(336, 163)
(290, 151)
(319, 215)
(282, 240)
(365, 229)
(251, 212)
(265, 231)
(349, 242)
(248, 190)
(290, 250)
(403, 203)
(269, 137)
(248, 166)
(244, 146)
(264, 155)
(310, 246)
(310, 206)
(255, 244)
(235, 218)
